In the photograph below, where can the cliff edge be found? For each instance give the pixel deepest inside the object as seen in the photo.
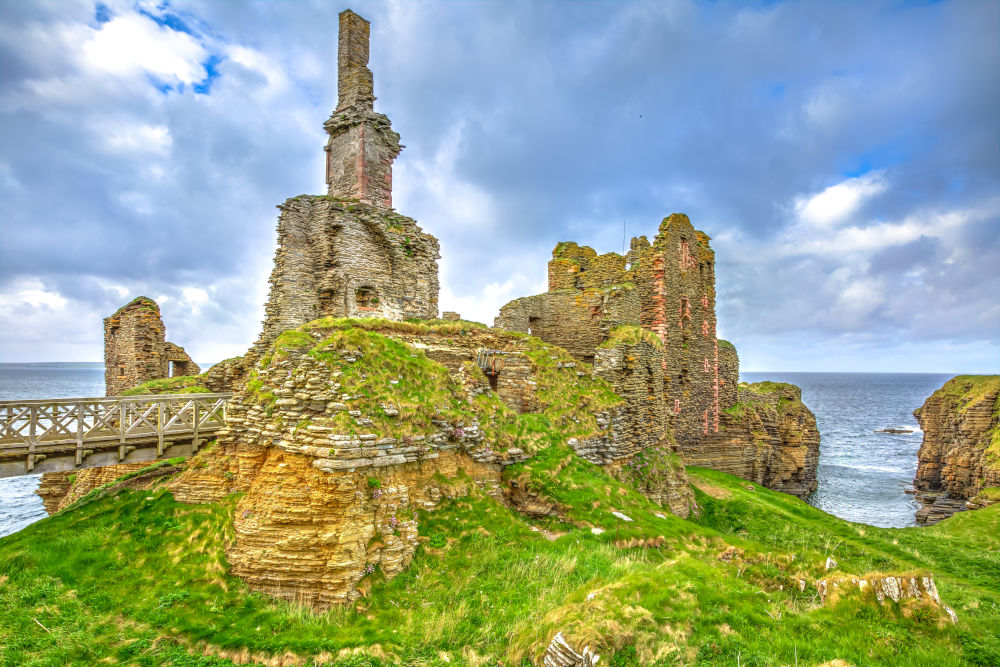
(959, 459)
(768, 436)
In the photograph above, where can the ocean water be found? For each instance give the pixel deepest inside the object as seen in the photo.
(19, 506)
(862, 474)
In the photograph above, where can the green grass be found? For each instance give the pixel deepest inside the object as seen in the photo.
(627, 334)
(380, 371)
(133, 577)
(136, 578)
(181, 384)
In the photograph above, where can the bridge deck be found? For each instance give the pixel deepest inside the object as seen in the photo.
(86, 432)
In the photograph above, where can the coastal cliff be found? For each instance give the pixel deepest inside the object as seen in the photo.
(768, 436)
(959, 458)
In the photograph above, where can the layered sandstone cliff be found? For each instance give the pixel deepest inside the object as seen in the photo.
(960, 453)
(769, 436)
(348, 429)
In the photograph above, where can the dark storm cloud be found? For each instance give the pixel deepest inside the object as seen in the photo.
(525, 124)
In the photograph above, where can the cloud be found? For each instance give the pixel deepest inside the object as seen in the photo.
(837, 202)
(842, 158)
(132, 44)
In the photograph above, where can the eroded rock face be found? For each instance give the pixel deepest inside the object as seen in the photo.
(960, 452)
(342, 433)
(59, 490)
(769, 436)
(312, 536)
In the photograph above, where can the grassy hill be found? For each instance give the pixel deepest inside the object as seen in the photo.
(133, 577)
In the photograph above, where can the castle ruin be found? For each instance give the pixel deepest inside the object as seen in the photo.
(136, 349)
(348, 253)
(666, 287)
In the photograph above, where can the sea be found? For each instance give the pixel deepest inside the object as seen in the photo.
(863, 473)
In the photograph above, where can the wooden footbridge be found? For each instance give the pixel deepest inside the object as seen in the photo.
(71, 433)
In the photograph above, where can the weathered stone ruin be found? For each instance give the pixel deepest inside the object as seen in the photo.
(136, 350)
(346, 419)
(667, 289)
(959, 458)
(344, 430)
(347, 253)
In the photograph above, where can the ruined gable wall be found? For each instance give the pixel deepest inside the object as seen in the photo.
(589, 295)
(635, 373)
(342, 258)
(135, 349)
(362, 144)
(729, 375)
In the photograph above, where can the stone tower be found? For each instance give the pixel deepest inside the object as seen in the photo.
(347, 253)
(136, 350)
(362, 145)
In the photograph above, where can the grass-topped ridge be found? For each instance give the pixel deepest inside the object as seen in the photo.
(630, 334)
(180, 384)
(403, 393)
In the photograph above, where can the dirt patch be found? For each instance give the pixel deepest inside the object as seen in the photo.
(711, 489)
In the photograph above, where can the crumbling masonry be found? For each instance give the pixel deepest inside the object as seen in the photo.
(667, 288)
(347, 253)
(136, 350)
(688, 386)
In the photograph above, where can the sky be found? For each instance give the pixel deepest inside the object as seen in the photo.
(843, 156)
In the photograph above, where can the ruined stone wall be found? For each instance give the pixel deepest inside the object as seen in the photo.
(589, 295)
(346, 259)
(348, 254)
(635, 373)
(135, 349)
(362, 144)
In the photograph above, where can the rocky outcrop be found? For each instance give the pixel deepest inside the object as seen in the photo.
(769, 436)
(59, 490)
(347, 429)
(960, 453)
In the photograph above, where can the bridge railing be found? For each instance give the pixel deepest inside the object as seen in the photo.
(33, 428)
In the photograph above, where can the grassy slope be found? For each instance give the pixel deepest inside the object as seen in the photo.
(137, 578)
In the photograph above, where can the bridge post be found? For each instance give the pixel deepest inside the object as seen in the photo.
(159, 429)
(32, 423)
(194, 442)
(121, 431)
(79, 432)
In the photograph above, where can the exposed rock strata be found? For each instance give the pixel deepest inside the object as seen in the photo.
(342, 433)
(769, 436)
(59, 490)
(960, 452)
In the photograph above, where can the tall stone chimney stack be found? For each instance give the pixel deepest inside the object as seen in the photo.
(354, 80)
(362, 144)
